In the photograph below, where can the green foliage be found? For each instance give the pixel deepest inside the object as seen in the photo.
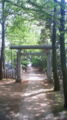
(40, 62)
(10, 56)
(24, 62)
(22, 32)
(24, 19)
(45, 36)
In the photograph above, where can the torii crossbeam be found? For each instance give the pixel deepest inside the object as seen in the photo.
(31, 47)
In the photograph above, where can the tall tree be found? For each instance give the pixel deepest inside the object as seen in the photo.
(3, 31)
(3, 41)
(62, 50)
(54, 59)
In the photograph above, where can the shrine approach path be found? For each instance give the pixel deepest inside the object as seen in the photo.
(33, 99)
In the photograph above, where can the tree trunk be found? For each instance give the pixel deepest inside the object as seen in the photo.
(54, 59)
(3, 42)
(62, 51)
(1, 73)
(3, 32)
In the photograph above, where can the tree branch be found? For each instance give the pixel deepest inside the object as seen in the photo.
(27, 9)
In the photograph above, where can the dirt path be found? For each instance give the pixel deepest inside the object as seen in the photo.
(34, 99)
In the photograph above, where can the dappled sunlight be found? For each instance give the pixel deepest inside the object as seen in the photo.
(33, 75)
(27, 76)
(36, 92)
(31, 100)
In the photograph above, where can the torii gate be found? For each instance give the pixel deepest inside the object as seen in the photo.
(47, 48)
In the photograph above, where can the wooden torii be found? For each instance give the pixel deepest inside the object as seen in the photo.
(44, 47)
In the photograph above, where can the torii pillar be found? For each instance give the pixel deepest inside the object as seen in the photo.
(18, 68)
(49, 66)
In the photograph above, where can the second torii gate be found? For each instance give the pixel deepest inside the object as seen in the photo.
(47, 48)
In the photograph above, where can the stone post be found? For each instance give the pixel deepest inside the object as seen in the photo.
(18, 69)
(49, 66)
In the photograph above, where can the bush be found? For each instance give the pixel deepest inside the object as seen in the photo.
(24, 62)
(39, 62)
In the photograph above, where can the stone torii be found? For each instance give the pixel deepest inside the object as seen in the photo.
(47, 48)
